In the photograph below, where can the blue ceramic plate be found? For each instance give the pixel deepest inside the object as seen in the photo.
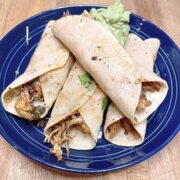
(28, 139)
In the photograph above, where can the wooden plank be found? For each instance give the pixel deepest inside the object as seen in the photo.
(6, 152)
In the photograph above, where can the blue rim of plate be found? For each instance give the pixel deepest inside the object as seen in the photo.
(144, 156)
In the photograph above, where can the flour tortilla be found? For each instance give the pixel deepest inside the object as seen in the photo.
(73, 98)
(144, 54)
(117, 73)
(92, 114)
(122, 139)
(51, 62)
(98, 51)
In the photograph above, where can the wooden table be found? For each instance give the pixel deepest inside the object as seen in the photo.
(164, 165)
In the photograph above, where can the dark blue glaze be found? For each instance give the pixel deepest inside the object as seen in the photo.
(28, 139)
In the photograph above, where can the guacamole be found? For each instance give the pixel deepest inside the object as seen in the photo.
(115, 18)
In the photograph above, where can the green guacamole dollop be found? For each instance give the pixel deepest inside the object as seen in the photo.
(115, 18)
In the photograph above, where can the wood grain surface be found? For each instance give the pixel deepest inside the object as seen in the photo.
(164, 165)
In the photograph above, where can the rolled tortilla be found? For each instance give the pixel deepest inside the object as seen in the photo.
(47, 69)
(144, 53)
(121, 78)
(98, 51)
(116, 133)
(78, 105)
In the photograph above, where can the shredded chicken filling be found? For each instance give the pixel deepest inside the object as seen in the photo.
(24, 105)
(60, 134)
(126, 125)
(144, 102)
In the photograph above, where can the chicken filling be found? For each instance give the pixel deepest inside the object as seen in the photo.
(126, 125)
(59, 134)
(29, 95)
(144, 102)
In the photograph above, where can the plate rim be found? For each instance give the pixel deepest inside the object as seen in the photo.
(78, 170)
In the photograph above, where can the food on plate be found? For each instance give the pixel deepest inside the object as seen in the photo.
(74, 53)
(110, 18)
(118, 129)
(77, 114)
(32, 94)
(113, 68)
(153, 89)
(139, 51)
(101, 55)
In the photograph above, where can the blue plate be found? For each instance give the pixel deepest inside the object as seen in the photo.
(28, 139)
